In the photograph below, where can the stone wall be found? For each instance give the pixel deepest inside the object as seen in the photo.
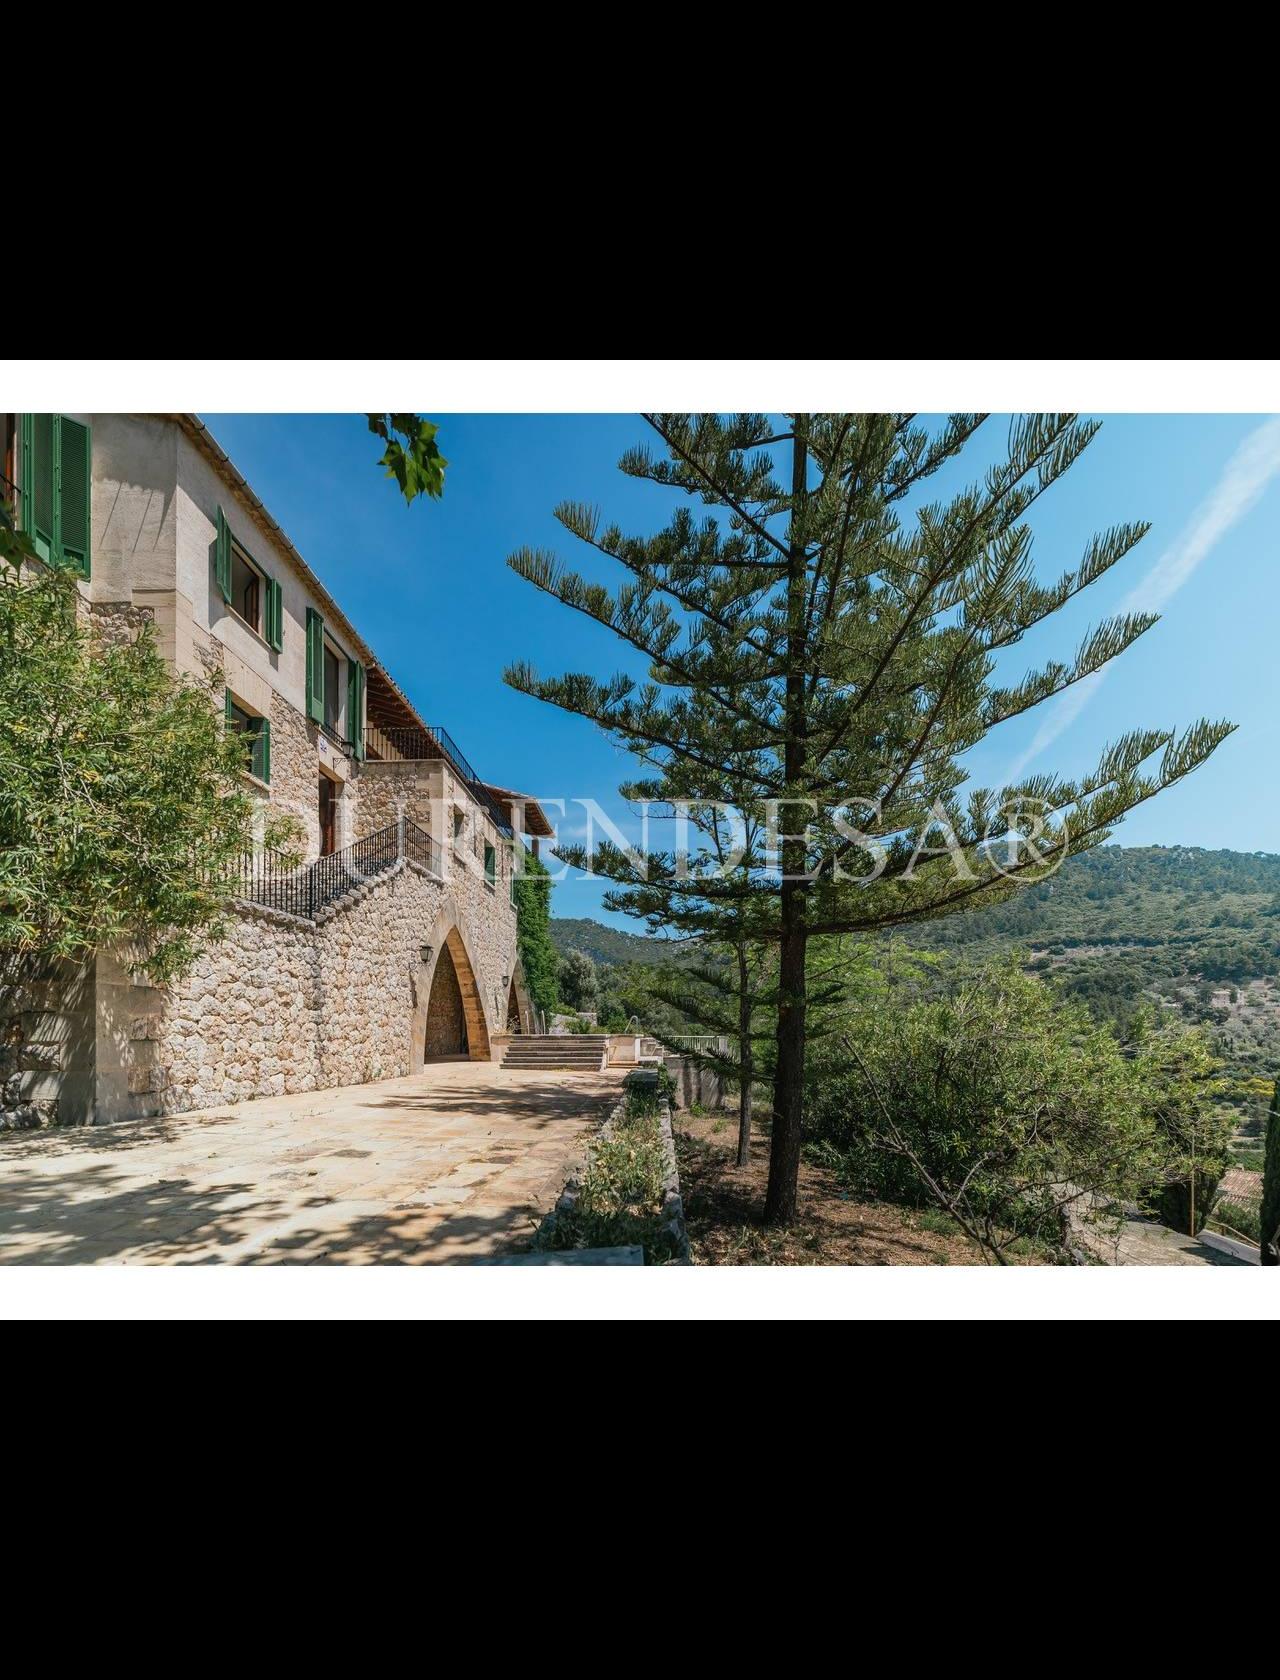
(412, 786)
(115, 622)
(285, 1005)
(46, 1041)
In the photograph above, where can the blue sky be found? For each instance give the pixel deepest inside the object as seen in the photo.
(429, 588)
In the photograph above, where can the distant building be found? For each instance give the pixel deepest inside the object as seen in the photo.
(396, 942)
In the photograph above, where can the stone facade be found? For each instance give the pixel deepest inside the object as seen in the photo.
(281, 1004)
(284, 1005)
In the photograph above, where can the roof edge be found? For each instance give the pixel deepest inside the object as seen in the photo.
(205, 441)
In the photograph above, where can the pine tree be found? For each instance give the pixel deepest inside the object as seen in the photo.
(1270, 1216)
(847, 639)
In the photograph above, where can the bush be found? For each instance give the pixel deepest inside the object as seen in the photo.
(1242, 1220)
(620, 1199)
(991, 1098)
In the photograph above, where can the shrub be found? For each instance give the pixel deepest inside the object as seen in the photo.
(993, 1098)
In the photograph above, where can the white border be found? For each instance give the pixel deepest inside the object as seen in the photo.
(675, 1292)
(598, 386)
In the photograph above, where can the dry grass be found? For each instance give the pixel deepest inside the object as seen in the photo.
(723, 1209)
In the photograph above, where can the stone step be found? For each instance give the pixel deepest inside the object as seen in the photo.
(571, 1052)
(510, 1060)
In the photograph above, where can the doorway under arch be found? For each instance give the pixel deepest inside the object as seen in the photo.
(446, 1017)
(455, 1023)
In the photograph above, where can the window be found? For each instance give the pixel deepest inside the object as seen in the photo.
(459, 825)
(57, 461)
(490, 866)
(256, 732)
(331, 691)
(246, 589)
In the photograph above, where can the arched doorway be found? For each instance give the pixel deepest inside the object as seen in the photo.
(513, 1010)
(453, 1023)
(446, 1014)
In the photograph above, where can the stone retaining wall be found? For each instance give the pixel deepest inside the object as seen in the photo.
(279, 1005)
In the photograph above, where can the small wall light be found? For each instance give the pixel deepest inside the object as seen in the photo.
(426, 953)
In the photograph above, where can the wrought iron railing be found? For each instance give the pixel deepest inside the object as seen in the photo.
(268, 878)
(435, 742)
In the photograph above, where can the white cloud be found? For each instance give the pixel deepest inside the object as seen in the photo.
(1244, 478)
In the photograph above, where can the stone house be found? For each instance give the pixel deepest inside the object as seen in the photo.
(395, 942)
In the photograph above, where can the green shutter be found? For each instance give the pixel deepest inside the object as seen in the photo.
(315, 666)
(355, 707)
(222, 557)
(26, 503)
(226, 707)
(273, 615)
(262, 758)
(37, 482)
(74, 456)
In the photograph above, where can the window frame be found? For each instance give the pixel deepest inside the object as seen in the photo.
(258, 767)
(338, 727)
(255, 570)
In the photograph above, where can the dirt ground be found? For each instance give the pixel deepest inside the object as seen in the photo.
(723, 1208)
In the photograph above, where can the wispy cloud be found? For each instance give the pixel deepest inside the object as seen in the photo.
(1245, 476)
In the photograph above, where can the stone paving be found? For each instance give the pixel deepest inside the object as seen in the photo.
(453, 1164)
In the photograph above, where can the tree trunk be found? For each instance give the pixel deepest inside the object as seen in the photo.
(788, 1082)
(744, 1060)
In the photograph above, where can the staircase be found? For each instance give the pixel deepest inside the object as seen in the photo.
(565, 1052)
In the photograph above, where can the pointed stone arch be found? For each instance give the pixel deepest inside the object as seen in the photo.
(473, 1008)
(447, 945)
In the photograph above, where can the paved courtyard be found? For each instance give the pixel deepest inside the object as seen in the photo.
(456, 1163)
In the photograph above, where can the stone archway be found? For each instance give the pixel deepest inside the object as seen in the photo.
(449, 1018)
(445, 1033)
(473, 1008)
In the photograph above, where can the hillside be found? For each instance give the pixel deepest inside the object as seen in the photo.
(607, 945)
(1175, 926)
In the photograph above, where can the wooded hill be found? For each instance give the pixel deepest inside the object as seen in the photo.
(1177, 926)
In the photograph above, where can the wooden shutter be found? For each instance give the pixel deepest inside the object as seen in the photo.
(38, 500)
(273, 615)
(226, 707)
(74, 455)
(355, 707)
(263, 756)
(315, 666)
(222, 557)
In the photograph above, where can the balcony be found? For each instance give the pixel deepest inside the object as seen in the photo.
(394, 744)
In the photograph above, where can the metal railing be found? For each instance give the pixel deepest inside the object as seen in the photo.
(268, 878)
(435, 742)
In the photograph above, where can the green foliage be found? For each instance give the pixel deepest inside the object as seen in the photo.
(533, 917)
(620, 1198)
(412, 456)
(1269, 1219)
(1236, 1220)
(576, 980)
(1176, 1074)
(989, 1096)
(1163, 930)
(610, 945)
(831, 635)
(122, 802)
